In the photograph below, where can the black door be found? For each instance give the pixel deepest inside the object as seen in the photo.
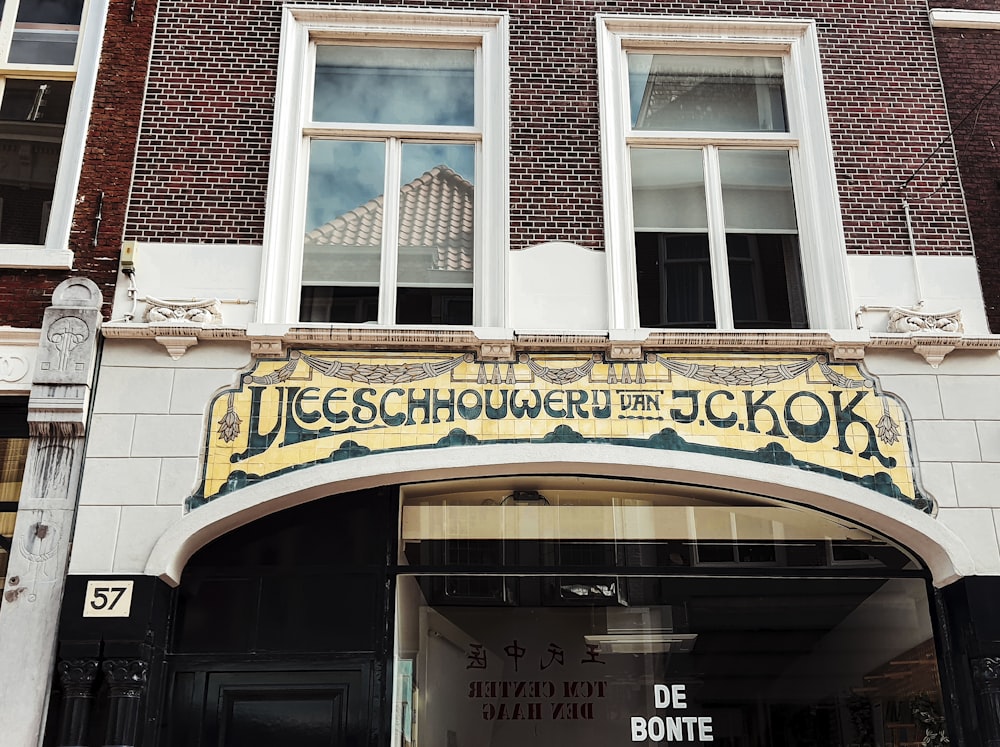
(281, 631)
(254, 708)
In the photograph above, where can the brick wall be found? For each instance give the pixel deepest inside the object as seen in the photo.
(107, 167)
(970, 67)
(203, 158)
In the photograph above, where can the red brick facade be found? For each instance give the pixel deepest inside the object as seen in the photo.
(202, 165)
(970, 68)
(107, 168)
(203, 159)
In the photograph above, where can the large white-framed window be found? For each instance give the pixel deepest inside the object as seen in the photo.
(48, 66)
(387, 199)
(721, 206)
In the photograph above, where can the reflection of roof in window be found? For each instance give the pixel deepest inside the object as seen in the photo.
(436, 210)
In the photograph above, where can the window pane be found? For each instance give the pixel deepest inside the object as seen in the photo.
(32, 119)
(394, 85)
(668, 190)
(674, 277)
(46, 32)
(436, 238)
(731, 661)
(765, 273)
(350, 305)
(344, 204)
(706, 93)
(757, 190)
(669, 212)
(765, 276)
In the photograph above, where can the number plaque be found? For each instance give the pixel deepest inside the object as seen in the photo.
(108, 599)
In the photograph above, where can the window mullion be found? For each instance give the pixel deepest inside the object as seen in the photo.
(717, 240)
(7, 20)
(390, 232)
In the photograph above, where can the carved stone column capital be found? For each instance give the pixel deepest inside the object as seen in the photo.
(126, 678)
(77, 676)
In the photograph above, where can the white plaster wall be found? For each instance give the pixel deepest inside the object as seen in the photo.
(558, 286)
(184, 272)
(955, 412)
(945, 284)
(143, 447)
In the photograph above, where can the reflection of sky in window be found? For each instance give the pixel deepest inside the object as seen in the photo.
(344, 175)
(394, 85)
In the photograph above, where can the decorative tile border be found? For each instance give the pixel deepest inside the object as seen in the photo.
(800, 411)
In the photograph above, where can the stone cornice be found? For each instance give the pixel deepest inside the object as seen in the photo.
(19, 336)
(965, 19)
(503, 343)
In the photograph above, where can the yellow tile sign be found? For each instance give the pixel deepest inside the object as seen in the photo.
(799, 411)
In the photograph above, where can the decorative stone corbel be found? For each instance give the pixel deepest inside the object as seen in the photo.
(199, 311)
(267, 347)
(497, 351)
(932, 352)
(625, 351)
(916, 320)
(176, 345)
(848, 351)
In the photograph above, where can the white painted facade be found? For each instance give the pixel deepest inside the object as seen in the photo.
(149, 414)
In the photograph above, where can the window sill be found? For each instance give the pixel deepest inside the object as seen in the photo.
(26, 256)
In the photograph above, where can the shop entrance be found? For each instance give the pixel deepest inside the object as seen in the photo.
(549, 611)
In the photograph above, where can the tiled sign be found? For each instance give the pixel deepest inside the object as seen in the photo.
(799, 411)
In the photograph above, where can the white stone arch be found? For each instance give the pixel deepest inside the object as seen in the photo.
(945, 554)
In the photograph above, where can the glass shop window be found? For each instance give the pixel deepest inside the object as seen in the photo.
(630, 615)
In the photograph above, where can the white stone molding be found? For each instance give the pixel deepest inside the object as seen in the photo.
(18, 350)
(965, 19)
(625, 351)
(933, 353)
(197, 311)
(944, 552)
(917, 320)
(176, 345)
(271, 339)
(497, 351)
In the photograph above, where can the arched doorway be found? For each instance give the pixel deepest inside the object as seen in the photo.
(530, 610)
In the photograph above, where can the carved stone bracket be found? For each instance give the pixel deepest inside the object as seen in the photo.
(176, 345)
(932, 353)
(625, 351)
(267, 347)
(905, 320)
(848, 351)
(497, 351)
(200, 311)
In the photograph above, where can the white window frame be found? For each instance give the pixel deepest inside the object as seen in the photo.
(55, 252)
(302, 26)
(820, 228)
